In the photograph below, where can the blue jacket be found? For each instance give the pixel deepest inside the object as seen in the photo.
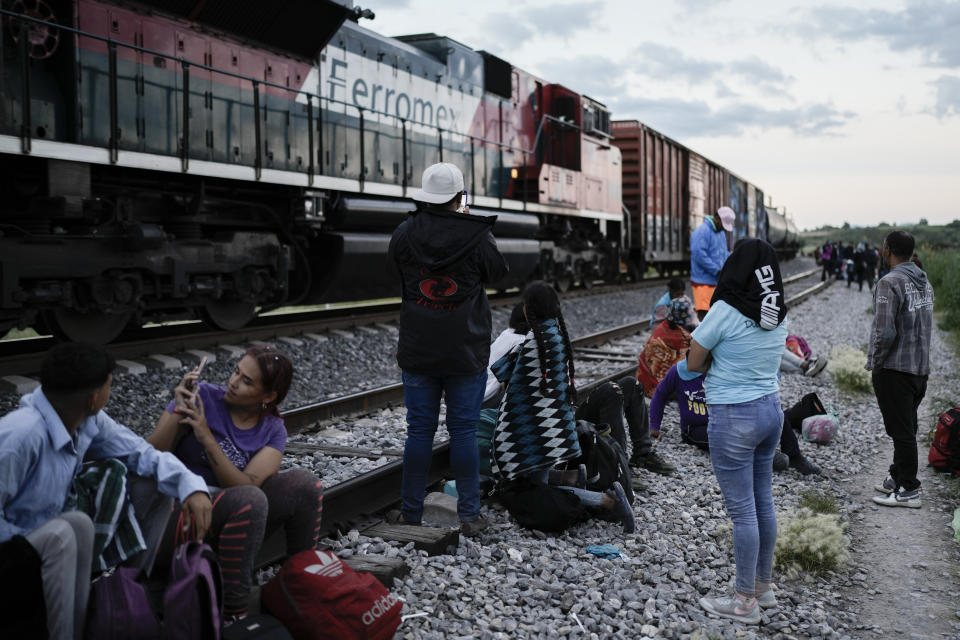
(708, 252)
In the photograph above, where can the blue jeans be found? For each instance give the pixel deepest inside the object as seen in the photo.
(587, 498)
(463, 395)
(743, 438)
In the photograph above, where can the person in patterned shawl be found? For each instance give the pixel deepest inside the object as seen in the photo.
(536, 428)
(665, 347)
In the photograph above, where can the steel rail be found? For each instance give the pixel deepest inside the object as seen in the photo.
(23, 356)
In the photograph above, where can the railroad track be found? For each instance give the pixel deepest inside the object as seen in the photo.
(357, 500)
(22, 357)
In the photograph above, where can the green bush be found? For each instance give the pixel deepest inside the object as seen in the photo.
(818, 502)
(941, 268)
(811, 542)
(847, 366)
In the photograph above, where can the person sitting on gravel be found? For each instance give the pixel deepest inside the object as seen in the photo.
(811, 367)
(536, 428)
(608, 404)
(43, 445)
(738, 345)
(676, 291)
(234, 437)
(665, 347)
(508, 339)
(694, 418)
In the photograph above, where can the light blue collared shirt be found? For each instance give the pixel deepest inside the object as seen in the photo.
(39, 459)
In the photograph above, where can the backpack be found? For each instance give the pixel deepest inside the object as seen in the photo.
(945, 451)
(605, 459)
(120, 608)
(193, 601)
(798, 346)
(316, 596)
(542, 507)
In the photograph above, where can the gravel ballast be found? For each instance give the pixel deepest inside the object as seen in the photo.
(514, 583)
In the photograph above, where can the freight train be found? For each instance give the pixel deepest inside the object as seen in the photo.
(217, 158)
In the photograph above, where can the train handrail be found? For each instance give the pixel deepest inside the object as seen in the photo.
(256, 83)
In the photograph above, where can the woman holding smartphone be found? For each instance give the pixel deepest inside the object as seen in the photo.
(234, 437)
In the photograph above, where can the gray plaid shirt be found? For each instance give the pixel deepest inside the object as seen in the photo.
(900, 336)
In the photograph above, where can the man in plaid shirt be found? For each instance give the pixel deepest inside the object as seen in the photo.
(899, 356)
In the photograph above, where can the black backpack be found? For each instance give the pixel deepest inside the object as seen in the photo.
(542, 507)
(605, 459)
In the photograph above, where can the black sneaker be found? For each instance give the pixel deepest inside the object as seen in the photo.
(652, 462)
(621, 507)
(804, 466)
(887, 487)
(780, 461)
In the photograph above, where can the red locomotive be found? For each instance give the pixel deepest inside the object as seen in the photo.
(216, 158)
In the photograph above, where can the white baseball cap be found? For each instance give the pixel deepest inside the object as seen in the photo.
(441, 182)
(727, 216)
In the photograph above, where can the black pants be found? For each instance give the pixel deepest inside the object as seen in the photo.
(898, 396)
(610, 402)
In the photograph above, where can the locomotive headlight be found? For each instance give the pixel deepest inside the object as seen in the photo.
(312, 207)
(514, 173)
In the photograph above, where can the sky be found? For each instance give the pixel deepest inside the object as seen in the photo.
(841, 111)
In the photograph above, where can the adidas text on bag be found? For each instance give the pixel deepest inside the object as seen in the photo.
(318, 597)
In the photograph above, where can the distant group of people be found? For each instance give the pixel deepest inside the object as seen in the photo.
(212, 464)
(853, 263)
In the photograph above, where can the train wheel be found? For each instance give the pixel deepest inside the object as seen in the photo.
(563, 283)
(95, 328)
(228, 315)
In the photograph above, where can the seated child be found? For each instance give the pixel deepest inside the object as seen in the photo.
(676, 291)
(667, 345)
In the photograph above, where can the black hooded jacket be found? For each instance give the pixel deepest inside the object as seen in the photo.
(445, 259)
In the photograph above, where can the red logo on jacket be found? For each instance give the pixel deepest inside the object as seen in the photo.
(438, 287)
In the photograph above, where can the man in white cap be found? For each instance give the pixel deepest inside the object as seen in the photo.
(708, 252)
(445, 257)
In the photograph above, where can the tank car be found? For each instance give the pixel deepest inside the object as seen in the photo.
(176, 158)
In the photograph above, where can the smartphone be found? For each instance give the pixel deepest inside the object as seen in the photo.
(464, 200)
(199, 368)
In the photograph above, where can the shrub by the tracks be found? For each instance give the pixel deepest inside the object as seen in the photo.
(941, 268)
(847, 366)
(809, 542)
(818, 502)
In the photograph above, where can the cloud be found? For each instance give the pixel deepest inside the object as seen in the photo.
(662, 61)
(510, 30)
(927, 26)
(700, 5)
(669, 63)
(695, 118)
(564, 19)
(948, 96)
(505, 29)
(599, 77)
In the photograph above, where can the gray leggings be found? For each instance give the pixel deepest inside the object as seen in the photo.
(65, 546)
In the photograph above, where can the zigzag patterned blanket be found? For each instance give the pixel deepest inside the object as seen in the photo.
(534, 430)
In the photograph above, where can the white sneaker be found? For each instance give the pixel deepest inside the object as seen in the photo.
(901, 498)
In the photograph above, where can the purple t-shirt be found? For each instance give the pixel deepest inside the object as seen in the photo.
(239, 445)
(691, 400)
